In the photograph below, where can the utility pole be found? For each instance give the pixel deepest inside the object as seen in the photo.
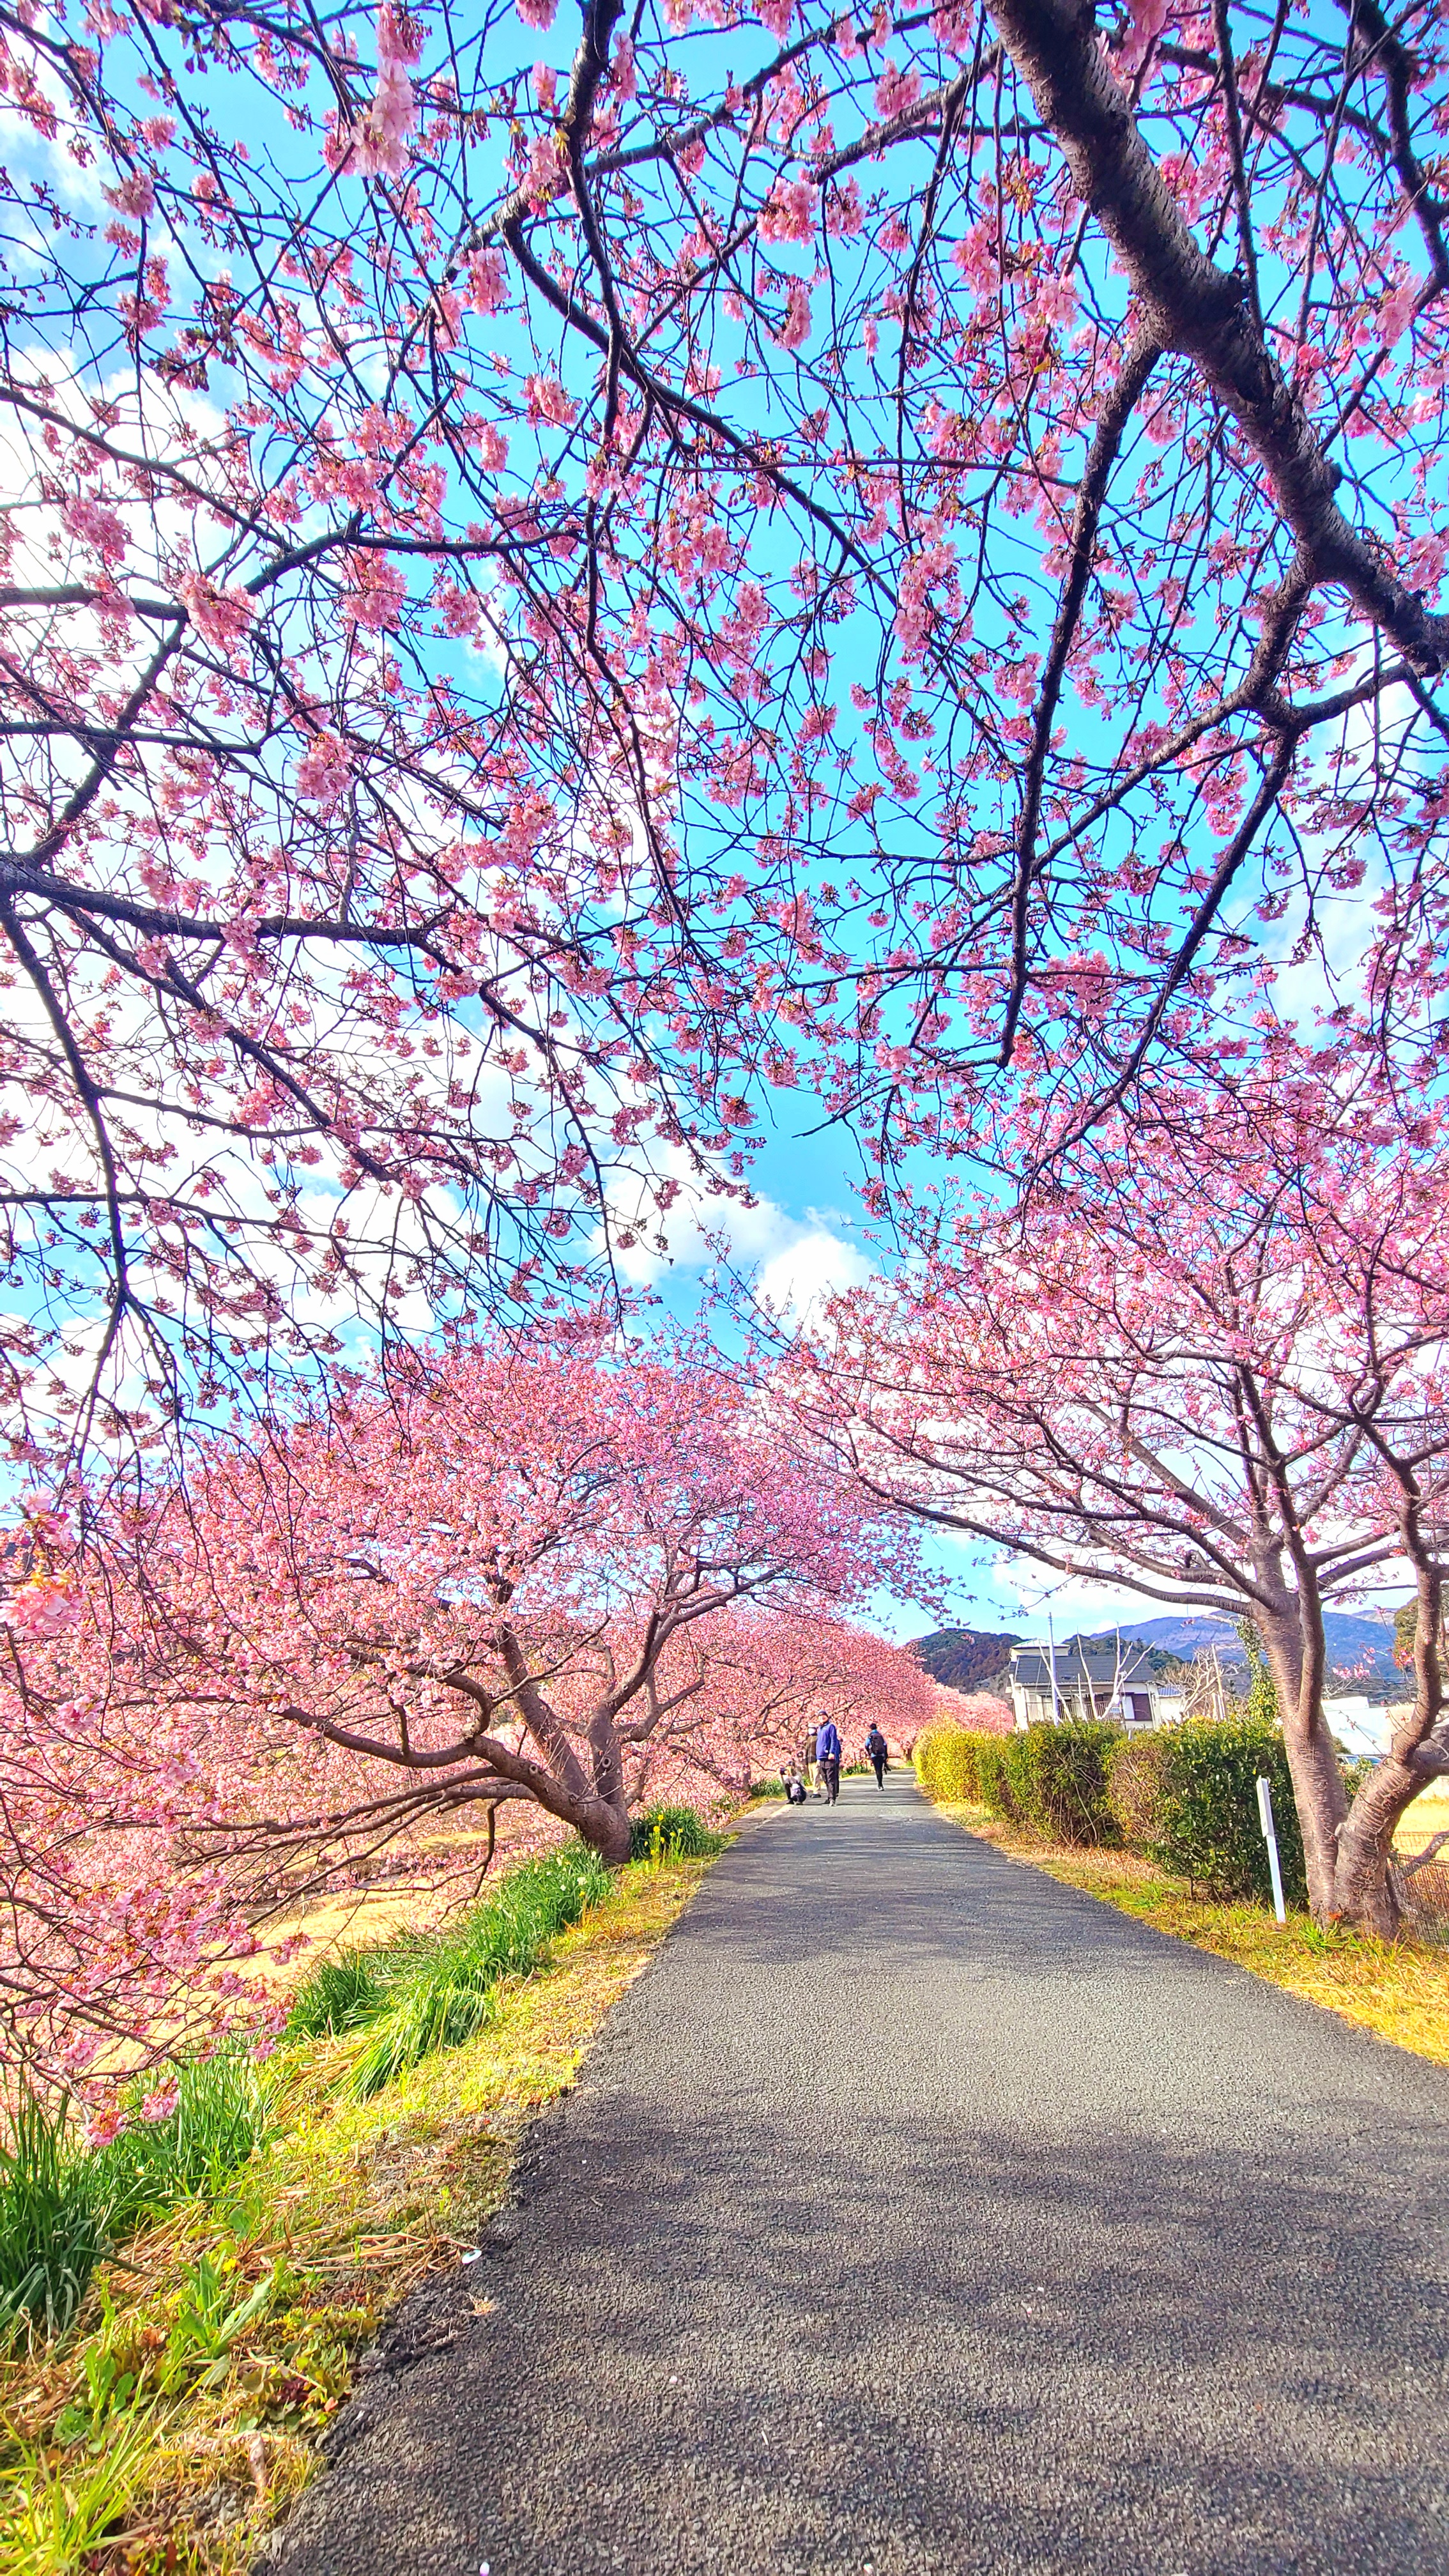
(1052, 1655)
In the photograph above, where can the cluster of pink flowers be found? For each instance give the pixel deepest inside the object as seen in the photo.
(380, 141)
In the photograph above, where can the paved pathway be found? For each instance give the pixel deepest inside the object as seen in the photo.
(917, 2214)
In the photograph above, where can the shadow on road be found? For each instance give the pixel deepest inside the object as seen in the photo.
(920, 2215)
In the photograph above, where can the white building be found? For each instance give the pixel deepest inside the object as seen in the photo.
(1108, 1678)
(1363, 1725)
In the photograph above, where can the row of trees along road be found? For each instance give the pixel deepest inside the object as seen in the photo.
(558, 579)
(562, 1569)
(1220, 1381)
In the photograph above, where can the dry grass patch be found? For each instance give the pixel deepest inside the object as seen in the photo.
(182, 2414)
(1428, 1816)
(1399, 1991)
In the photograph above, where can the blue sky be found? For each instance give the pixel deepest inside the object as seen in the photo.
(806, 1236)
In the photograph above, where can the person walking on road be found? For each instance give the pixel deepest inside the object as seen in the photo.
(877, 1747)
(827, 1760)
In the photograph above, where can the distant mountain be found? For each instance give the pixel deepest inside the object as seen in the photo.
(964, 1658)
(1360, 1650)
(1353, 1641)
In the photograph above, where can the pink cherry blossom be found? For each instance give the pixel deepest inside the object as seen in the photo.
(563, 1571)
(547, 402)
(323, 772)
(795, 329)
(380, 142)
(222, 617)
(1220, 1384)
(98, 525)
(404, 804)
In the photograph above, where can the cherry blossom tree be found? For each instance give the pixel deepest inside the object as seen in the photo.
(567, 1569)
(112, 1928)
(487, 1572)
(769, 1679)
(980, 1712)
(552, 576)
(1225, 1390)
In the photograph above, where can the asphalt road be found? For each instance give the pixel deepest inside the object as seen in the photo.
(916, 2213)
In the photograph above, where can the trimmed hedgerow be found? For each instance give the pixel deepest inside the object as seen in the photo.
(1135, 1784)
(996, 1780)
(1053, 1779)
(1192, 1805)
(1060, 1776)
(948, 1762)
(1184, 1795)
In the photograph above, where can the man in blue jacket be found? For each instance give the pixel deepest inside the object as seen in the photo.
(827, 1756)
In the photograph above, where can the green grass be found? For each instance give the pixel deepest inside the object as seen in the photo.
(53, 2221)
(664, 1834)
(181, 2414)
(61, 2505)
(64, 2205)
(344, 1993)
(417, 1994)
(220, 2117)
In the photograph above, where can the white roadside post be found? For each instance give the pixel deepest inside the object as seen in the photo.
(1265, 1818)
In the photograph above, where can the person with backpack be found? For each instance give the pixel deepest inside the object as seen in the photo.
(827, 1760)
(877, 1747)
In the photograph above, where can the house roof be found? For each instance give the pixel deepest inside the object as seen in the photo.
(1094, 1660)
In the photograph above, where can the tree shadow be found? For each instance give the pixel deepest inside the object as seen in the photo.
(921, 2352)
(925, 2215)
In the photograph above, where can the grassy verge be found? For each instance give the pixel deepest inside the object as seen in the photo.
(1400, 1992)
(181, 2413)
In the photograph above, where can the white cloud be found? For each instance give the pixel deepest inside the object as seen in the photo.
(809, 1267)
(792, 1263)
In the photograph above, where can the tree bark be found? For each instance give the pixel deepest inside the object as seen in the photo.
(605, 1828)
(1364, 1891)
(1296, 1662)
(597, 1809)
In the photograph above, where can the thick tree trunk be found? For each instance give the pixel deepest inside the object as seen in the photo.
(1293, 1643)
(1364, 1891)
(601, 1822)
(596, 1808)
(606, 1829)
(1347, 1850)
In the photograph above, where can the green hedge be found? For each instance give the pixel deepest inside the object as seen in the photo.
(947, 1762)
(1188, 1795)
(996, 1767)
(1060, 1779)
(1136, 1784)
(1053, 1779)
(1185, 1795)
